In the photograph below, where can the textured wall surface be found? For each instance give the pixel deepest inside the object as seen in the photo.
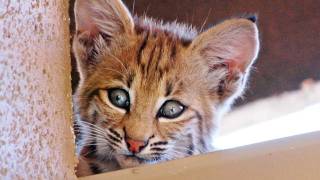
(35, 95)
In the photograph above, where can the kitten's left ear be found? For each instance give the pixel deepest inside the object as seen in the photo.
(227, 52)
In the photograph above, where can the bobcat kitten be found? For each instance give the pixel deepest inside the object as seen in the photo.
(152, 91)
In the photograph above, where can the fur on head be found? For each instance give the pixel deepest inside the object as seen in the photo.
(151, 91)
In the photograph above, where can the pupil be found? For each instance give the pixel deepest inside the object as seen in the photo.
(118, 98)
(172, 110)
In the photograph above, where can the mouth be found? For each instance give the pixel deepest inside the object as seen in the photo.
(142, 160)
(127, 161)
(134, 157)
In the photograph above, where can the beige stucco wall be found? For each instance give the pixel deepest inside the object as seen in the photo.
(35, 96)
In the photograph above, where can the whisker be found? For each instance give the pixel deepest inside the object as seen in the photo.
(90, 125)
(104, 140)
(109, 151)
(178, 154)
(92, 132)
(94, 144)
(184, 149)
(133, 6)
(93, 135)
(93, 138)
(205, 20)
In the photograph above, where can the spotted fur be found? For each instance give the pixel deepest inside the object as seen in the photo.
(154, 62)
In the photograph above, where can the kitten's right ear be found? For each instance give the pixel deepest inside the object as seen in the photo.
(110, 17)
(227, 52)
(97, 22)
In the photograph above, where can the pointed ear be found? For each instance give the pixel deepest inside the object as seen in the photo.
(98, 22)
(227, 51)
(110, 17)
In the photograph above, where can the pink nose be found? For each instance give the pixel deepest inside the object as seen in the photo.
(135, 146)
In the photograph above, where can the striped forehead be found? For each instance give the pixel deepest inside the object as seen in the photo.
(157, 59)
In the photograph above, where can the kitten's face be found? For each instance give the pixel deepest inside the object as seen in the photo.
(150, 95)
(150, 92)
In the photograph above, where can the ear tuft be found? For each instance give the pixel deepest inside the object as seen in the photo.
(253, 18)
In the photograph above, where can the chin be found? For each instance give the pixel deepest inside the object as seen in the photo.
(129, 161)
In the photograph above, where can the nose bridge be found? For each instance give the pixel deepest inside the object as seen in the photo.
(139, 125)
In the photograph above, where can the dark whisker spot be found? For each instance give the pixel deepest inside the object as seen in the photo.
(115, 133)
(114, 139)
(157, 149)
(159, 143)
(114, 144)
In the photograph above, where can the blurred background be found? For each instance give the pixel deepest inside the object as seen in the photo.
(288, 66)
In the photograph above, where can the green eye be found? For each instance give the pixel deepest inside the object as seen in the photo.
(119, 98)
(171, 109)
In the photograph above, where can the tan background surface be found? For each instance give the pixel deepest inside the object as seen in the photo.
(35, 94)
